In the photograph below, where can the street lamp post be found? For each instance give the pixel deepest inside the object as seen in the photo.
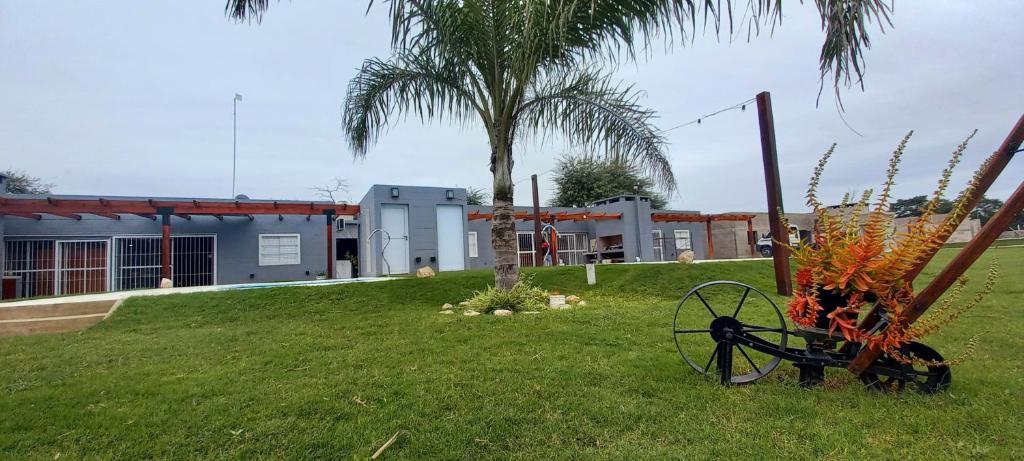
(234, 140)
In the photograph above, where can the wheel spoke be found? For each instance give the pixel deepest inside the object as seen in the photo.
(698, 330)
(751, 362)
(740, 305)
(757, 329)
(712, 359)
(701, 298)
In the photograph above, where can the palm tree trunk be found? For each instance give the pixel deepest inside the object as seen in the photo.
(503, 224)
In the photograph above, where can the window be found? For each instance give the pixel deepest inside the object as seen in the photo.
(682, 239)
(572, 248)
(279, 249)
(473, 250)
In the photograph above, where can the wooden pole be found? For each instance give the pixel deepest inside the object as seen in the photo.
(751, 240)
(711, 240)
(165, 246)
(538, 256)
(949, 275)
(995, 165)
(770, 156)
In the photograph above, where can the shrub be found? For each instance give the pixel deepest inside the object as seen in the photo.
(524, 296)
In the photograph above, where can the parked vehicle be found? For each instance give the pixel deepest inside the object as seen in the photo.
(796, 236)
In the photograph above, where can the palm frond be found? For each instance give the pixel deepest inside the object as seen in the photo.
(246, 10)
(405, 84)
(585, 107)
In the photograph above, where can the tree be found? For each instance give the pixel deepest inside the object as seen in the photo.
(328, 191)
(986, 208)
(19, 182)
(582, 180)
(905, 208)
(521, 67)
(477, 196)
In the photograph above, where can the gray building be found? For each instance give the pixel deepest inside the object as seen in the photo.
(64, 244)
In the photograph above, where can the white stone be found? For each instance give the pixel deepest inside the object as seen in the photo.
(166, 283)
(502, 313)
(572, 299)
(530, 312)
(446, 312)
(425, 271)
(581, 303)
(470, 313)
(447, 307)
(685, 256)
(464, 303)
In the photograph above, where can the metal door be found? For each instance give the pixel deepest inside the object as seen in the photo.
(451, 247)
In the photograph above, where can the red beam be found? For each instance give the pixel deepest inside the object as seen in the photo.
(711, 241)
(132, 206)
(773, 185)
(165, 247)
(330, 246)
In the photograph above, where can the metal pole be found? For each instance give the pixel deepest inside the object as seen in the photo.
(234, 141)
(538, 256)
(951, 273)
(770, 156)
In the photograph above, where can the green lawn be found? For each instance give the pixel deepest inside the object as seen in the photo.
(333, 372)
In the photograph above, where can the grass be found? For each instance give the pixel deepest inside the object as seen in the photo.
(1001, 243)
(332, 372)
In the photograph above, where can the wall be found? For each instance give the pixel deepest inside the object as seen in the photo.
(482, 227)
(237, 239)
(698, 238)
(422, 222)
(963, 233)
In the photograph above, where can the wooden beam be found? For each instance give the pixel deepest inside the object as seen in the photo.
(711, 240)
(148, 206)
(770, 157)
(956, 268)
(538, 253)
(751, 238)
(330, 245)
(994, 166)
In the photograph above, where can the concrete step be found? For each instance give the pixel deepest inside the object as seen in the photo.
(60, 324)
(58, 308)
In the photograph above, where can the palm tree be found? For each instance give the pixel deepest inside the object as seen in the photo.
(524, 67)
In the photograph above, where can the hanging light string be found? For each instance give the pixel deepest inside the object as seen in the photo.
(740, 105)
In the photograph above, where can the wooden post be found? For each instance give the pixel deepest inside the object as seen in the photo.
(165, 245)
(329, 214)
(751, 238)
(770, 156)
(538, 253)
(711, 240)
(996, 164)
(554, 247)
(949, 275)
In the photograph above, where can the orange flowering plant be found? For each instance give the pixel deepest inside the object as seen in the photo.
(857, 259)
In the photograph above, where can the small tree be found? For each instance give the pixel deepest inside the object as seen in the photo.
(477, 196)
(329, 190)
(19, 182)
(914, 206)
(986, 208)
(581, 180)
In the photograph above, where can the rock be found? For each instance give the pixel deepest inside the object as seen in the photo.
(581, 303)
(530, 312)
(447, 307)
(502, 313)
(446, 312)
(425, 271)
(470, 313)
(464, 303)
(685, 256)
(572, 299)
(166, 283)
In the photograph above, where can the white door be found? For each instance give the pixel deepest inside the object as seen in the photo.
(394, 221)
(451, 244)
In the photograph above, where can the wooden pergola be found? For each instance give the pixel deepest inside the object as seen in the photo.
(549, 216)
(112, 208)
(708, 219)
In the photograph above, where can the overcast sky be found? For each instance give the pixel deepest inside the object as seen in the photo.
(134, 98)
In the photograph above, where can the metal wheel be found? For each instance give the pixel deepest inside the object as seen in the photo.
(928, 379)
(711, 315)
